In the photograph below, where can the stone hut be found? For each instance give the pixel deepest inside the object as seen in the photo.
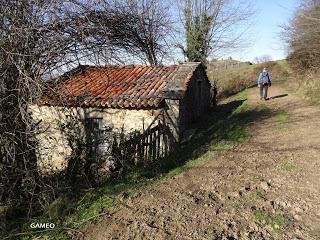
(125, 99)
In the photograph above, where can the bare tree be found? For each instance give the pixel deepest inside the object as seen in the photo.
(302, 36)
(262, 59)
(138, 28)
(211, 26)
(37, 38)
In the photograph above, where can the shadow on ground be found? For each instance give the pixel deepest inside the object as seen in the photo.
(224, 125)
(279, 96)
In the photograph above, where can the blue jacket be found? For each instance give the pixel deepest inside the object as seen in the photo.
(260, 77)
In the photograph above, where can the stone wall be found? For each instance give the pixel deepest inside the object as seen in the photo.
(53, 145)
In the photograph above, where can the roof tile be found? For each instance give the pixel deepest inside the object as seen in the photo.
(133, 86)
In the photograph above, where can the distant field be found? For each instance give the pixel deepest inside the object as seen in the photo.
(231, 76)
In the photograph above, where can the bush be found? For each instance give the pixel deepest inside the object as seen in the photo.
(276, 70)
(303, 38)
(302, 35)
(307, 85)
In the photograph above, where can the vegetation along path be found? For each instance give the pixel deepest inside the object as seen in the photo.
(266, 186)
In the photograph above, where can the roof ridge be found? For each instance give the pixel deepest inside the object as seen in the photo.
(139, 65)
(135, 65)
(136, 84)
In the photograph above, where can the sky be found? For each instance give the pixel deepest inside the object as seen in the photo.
(264, 33)
(262, 36)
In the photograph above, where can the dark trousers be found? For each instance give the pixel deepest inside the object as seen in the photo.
(263, 91)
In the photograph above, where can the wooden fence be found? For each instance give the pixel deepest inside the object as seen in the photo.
(152, 144)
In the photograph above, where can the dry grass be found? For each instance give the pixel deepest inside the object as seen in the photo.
(234, 79)
(231, 80)
(307, 86)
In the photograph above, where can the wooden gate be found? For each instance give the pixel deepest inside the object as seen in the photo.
(152, 144)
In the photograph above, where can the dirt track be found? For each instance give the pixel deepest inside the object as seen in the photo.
(267, 187)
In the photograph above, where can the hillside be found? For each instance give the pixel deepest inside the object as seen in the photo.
(231, 76)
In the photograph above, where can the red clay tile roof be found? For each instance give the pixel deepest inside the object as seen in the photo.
(118, 87)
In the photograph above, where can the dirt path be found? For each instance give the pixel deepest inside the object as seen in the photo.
(267, 187)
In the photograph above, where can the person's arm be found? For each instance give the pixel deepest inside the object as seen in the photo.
(259, 78)
(269, 77)
(269, 80)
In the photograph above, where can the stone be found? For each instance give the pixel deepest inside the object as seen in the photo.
(234, 194)
(297, 217)
(298, 209)
(264, 185)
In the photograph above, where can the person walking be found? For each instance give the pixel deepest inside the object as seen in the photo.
(264, 82)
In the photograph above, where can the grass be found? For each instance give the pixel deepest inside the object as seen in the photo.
(284, 64)
(276, 221)
(288, 167)
(310, 88)
(71, 214)
(256, 195)
(236, 205)
(233, 80)
(87, 211)
(305, 85)
(258, 178)
(263, 108)
(282, 116)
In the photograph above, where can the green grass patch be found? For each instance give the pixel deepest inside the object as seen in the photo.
(85, 212)
(258, 178)
(192, 163)
(263, 108)
(219, 130)
(236, 205)
(276, 221)
(256, 195)
(69, 214)
(282, 116)
(288, 167)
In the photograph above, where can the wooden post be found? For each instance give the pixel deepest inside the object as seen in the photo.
(154, 145)
(150, 146)
(159, 140)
